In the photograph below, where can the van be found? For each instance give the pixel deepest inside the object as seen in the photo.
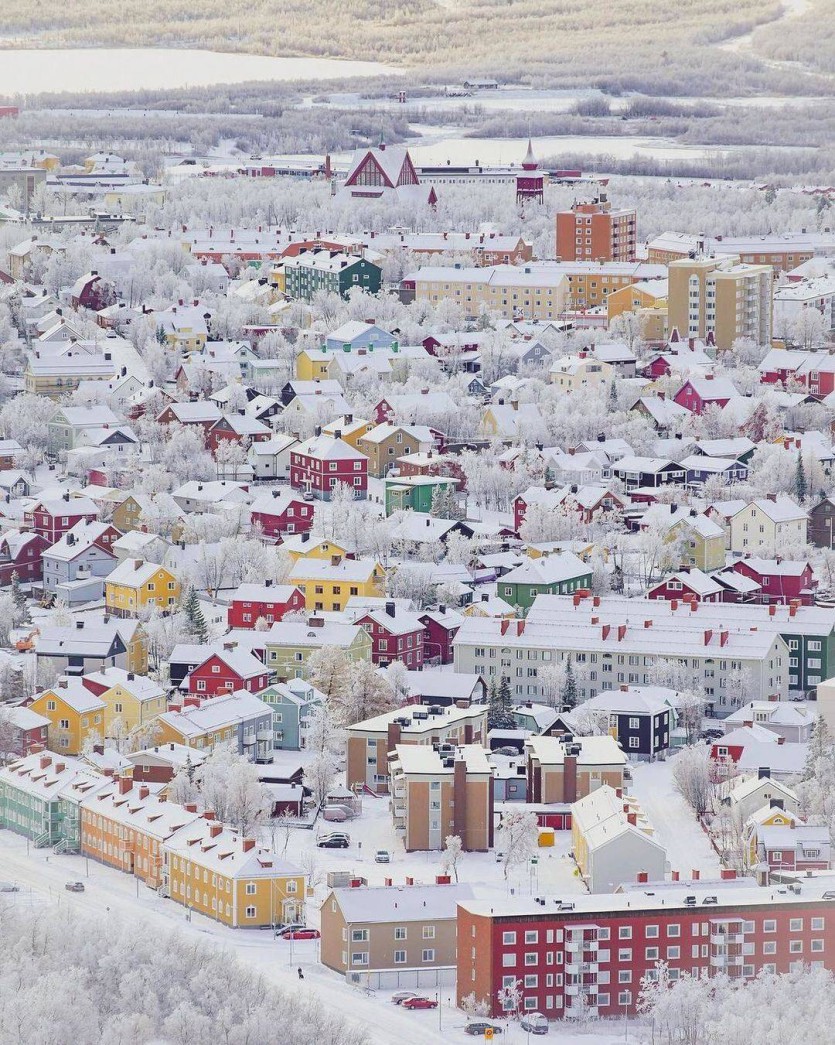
(534, 1023)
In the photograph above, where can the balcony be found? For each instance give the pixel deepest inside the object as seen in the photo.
(264, 736)
(726, 939)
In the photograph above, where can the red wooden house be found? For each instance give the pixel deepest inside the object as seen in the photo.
(53, 517)
(698, 393)
(30, 731)
(280, 512)
(689, 586)
(320, 463)
(781, 581)
(226, 672)
(270, 601)
(92, 292)
(395, 635)
(817, 373)
(441, 628)
(237, 428)
(201, 413)
(21, 552)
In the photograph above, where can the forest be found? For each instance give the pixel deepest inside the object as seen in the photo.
(616, 47)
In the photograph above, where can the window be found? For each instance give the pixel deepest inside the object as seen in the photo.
(400, 932)
(359, 935)
(674, 930)
(796, 925)
(625, 932)
(531, 936)
(651, 932)
(673, 952)
(250, 888)
(770, 947)
(625, 954)
(817, 924)
(399, 957)
(624, 976)
(634, 723)
(652, 954)
(770, 925)
(250, 912)
(359, 958)
(625, 998)
(795, 946)
(817, 945)
(429, 932)
(428, 956)
(532, 980)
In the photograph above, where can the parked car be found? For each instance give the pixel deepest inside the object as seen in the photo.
(382, 856)
(333, 843)
(478, 1028)
(534, 1023)
(300, 934)
(402, 996)
(74, 887)
(420, 1003)
(283, 927)
(9, 887)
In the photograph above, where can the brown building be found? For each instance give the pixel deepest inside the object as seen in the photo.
(562, 770)
(370, 742)
(592, 231)
(391, 929)
(385, 443)
(439, 793)
(716, 294)
(157, 765)
(822, 524)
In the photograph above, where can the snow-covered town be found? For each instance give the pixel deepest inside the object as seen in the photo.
(412, 583)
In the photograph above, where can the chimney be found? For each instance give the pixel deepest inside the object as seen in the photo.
(675, 875)
(727, 874)
(215, 830)
(695, 874)
(60, 767)
(390, 609)
(632, 818)
(44, 761)
(247, 844)
(642, 877)
(673, 605)
(764, 773)
(208, 814)
(569, 779)
(393, 736)
(190, 807)
(144, 792)
(125, 784)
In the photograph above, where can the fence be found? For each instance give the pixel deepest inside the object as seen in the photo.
(397, 979)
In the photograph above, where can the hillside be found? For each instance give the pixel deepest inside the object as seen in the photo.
(631, 45)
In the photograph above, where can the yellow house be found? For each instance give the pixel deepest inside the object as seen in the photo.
(702, 542)
(312, 364)
(276, 278)
(136, 585)
(297, 547)
(646, 294)
(329, 583)
(134, 700)
(352, 429)
(214, 870)
(136, 645)
(75, 714)
(572, 373)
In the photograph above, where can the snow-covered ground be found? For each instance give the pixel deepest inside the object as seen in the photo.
(675, 825)
(41, 876)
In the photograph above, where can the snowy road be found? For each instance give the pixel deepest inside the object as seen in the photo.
(675, 826)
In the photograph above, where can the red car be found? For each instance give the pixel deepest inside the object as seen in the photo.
(300, 934)
(419, 1003)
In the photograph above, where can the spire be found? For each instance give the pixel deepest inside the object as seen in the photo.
(529, 163)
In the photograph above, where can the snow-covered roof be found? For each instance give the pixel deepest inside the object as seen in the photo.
(422, 903)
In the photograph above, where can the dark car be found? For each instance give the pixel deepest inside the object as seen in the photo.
(333, 843)
(479, 1028)
(74, 887)
(419, 1003)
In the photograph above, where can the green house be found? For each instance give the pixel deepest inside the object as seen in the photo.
(560, 574)
(30, 795)
(416, 492)
(331, 271)
(290, 643)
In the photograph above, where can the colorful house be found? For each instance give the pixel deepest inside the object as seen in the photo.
(561, 574)
(75, 714)
(131, 700)
(396, 634)
(290, 643)
(227, 672)
(223, 875)
(320, 463)
(30, 789)
(293, 703)
(280, 512)
(327, 585)
(237, 720)
(416, 492)
(136, 585)
(268, 602)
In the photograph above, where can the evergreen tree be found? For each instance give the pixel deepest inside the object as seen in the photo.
(800, 485)
(194, 615)
(500, 708)
(22, 614)
(612, 404)
(569, 690)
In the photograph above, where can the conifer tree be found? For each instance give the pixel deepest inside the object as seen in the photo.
(569, 692)
(22, 614)
(194, 615)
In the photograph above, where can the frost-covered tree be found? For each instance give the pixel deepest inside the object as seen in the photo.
(451, 855)
(518, 838)
(693, 777)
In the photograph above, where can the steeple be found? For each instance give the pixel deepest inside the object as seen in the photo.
(529, 163)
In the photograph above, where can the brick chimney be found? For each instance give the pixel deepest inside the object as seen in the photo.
(247, 844)
(125, 784)
(569, 779)
(144, 792)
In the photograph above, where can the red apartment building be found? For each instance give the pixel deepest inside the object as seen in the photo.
(21, 553)
(592, 231)
(587, 955)
(395, 635)
(55, 517)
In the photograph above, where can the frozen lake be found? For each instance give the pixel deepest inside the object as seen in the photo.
(151, 68)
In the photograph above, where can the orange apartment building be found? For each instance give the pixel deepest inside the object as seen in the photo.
(561, 771)
(439, 793)
(593, 231)
(125, 826)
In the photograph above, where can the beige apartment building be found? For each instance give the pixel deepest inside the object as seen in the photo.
(439, 793)
(391, 929)
(721, 296)
(372, 741)
(511, 291)
(563, 771)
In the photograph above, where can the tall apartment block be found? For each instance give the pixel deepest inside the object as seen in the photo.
(721, 295)
(593, 231)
